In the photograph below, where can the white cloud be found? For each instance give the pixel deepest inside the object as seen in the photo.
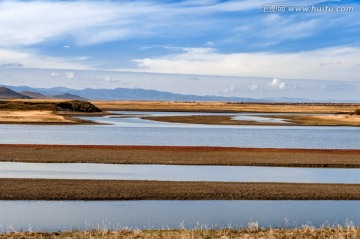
(25, 23)
(253, 87)
(278, 84)
(209, 44)
(33, 60)
(54, 74)
(112, 79)
(298, 65)
(70, 75)
(11, 65)
(230, 89)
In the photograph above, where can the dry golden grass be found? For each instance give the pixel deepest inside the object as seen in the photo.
(45, 111)
(39, 117)
(327, 120)
(49, 104)
(225, 107)
(305, 232)
(33, 116)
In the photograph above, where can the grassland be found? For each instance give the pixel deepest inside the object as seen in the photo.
(324, 120)
(64, 189)
(304, 232)
(181, 155)
(53, 111)
(45, 112)
(328, 108)
(38, 117)
(343, 114)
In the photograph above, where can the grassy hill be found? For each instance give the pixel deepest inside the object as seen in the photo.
(66, 106)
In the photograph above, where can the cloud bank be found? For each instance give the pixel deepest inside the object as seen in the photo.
(300, 65)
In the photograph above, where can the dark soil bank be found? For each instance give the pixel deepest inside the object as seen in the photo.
(43, 189)
(181, 155)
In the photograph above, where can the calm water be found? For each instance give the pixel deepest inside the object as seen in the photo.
(177, 173)
(135, 131)
(61, 215)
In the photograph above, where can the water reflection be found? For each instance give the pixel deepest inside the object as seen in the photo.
(135, 131)
(177, 173)
(61, 215)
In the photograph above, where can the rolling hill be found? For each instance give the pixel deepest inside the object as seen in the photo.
(6, 93)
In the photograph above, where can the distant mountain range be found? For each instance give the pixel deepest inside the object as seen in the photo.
(117, 94)
(26, 92)
(6, 93)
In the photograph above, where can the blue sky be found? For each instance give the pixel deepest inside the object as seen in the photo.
(194, 37)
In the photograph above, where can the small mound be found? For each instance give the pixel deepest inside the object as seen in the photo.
(77, 106)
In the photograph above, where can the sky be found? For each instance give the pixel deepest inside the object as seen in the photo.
(230, 48)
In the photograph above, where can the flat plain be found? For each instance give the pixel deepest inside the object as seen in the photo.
(43, 111)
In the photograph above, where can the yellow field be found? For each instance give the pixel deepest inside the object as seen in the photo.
(225, 107)
(33, 116)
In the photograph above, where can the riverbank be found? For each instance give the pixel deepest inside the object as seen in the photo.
(288, 120)
(308, 232)
(45, 112)
(227, 107)
(61, 112)
(323, 120)
(67, 189)
(181, 155)
(39, 117)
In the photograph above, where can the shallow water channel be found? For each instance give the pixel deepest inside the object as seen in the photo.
(131, 130)
(177, 173)
(135, 131)
(62, 215)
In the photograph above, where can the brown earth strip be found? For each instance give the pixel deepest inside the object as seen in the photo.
(180, 155)
(304, 232)
(211, 119)
(290, 120)
(49, 189)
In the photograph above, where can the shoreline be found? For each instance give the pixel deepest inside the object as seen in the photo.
(289, 120)
(253, 231)
(225, 107)
(103, 190)
(49, 112)
(181, 155)
(306, 231)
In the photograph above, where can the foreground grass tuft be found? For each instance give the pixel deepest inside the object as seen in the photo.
(307, 232)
